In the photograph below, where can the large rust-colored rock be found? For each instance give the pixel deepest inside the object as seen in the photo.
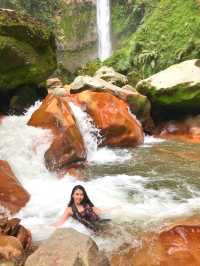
(67, 146)
(111, 115)
(12, 195)
(139, 104)
(177, 246)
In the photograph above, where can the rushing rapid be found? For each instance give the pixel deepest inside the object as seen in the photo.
(139, 188)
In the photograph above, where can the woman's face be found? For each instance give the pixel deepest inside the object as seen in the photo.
(78, 196)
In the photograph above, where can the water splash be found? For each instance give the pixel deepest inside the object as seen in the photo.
(103, 28)
(91, 135)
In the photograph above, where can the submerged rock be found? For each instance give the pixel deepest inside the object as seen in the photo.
(111, 115)
(138, 103)
(67, 247)
(27, 51)
(67, 146)
(12, 195)
(187, 130)
(176, 88)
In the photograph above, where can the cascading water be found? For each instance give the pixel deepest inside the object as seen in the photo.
(90, 133)
(103, 28)
(139, 192)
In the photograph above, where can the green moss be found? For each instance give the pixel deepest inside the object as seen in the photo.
(27, 51)
(22, 65)
(181, 96)
(169, 35)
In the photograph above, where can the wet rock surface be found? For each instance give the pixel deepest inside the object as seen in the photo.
(12, 195)
(67, 146)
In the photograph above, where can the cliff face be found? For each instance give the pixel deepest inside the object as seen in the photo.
(76, 32)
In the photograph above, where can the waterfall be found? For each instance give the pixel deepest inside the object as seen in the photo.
(103, 28)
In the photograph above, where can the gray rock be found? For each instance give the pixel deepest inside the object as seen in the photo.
(110, 75)
(67, 247)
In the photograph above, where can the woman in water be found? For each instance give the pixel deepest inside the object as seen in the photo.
(82, 209)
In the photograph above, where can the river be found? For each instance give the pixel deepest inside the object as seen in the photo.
(140, 188)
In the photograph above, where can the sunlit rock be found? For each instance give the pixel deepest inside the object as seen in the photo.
(138, 103)
(67, 247)
(177, 246)
(12, 195)
(111, 115)
(67, 146)
(177, 87)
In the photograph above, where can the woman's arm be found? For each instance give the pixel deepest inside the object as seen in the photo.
(64, 217)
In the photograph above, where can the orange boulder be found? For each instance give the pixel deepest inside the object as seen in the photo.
(177, 246)
(67, 146)
(12, 195)
(111, 115)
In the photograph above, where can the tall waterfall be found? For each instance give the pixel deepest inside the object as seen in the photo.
(103, 27)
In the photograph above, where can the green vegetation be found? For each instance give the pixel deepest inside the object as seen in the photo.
(43, 10)
(169, 34)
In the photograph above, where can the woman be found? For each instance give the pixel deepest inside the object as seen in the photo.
(82, 209)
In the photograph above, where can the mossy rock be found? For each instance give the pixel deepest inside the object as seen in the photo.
(27, 51)
(177, 87)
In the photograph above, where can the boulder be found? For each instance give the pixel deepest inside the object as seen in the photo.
(67, 146)
(10, 247)
(13, 228)
(12, 195)
(177, 87)
(176, 246)
(27, 49)
(110, 75)
(67, 247)
(111, 115)
(138, 103)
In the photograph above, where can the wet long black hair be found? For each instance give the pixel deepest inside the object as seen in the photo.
(85, 200)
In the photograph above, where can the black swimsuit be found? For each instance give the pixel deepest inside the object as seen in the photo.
(88, 217)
